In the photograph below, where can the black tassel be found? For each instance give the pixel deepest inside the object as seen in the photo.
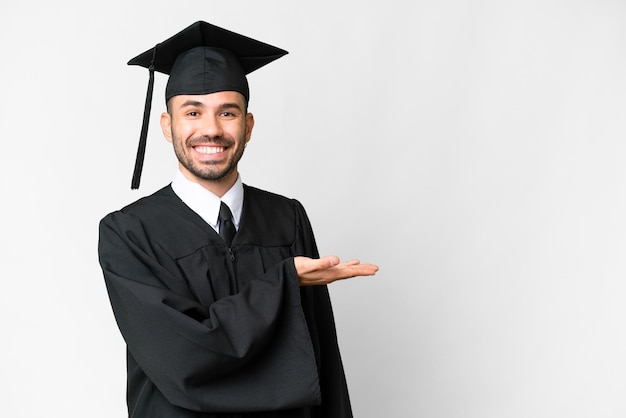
(141, 150)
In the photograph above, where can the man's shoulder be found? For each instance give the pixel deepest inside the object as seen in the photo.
(163, 218)
(269, 201)
(157, 207)
(252, 192)
(150, 202)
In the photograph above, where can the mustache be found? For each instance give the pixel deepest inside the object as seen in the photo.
(207, 140)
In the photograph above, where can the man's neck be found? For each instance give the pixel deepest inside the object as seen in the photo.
(217, 187)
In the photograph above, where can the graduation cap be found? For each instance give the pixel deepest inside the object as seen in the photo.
(200, 59)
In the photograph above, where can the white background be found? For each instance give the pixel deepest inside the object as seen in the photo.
(473, 149)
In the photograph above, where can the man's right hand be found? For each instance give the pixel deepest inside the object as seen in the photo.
(325, 270)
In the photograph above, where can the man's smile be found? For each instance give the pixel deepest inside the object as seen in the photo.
(206, 149)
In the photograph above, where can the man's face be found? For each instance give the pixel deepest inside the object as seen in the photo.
(209, 133)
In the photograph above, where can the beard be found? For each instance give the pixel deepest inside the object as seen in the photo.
(208, 170)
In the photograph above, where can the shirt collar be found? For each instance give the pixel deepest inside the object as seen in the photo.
(205, 203)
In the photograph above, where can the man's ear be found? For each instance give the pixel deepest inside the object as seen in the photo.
(249, 126)
(166, 126)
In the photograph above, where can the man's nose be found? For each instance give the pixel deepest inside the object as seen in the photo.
(211, 127)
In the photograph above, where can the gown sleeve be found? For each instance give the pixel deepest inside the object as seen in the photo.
(318, 309)
(248, 351)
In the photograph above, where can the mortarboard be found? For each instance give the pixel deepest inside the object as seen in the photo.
(200, 59)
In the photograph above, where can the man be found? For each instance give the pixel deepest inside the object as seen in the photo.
(216, 286)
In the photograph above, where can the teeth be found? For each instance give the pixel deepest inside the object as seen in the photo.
(209, 150)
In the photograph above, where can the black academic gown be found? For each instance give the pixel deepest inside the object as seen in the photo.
(213, 331)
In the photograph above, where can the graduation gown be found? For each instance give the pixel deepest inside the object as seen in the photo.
(213, 331)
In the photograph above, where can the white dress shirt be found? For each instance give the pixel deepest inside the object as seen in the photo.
(207, 204)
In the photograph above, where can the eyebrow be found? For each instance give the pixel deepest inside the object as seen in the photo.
(224, 106)
(193, 103)
(196, 103)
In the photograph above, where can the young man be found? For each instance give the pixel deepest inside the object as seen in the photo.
(216, 286)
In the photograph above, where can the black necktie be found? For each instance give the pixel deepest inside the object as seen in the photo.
(227, 228)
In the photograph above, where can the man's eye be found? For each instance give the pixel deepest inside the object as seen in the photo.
(227, 114)
(192, 114)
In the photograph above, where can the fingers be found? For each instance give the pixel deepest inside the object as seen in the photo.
(306, 265)
(355, 270)
(349, 263)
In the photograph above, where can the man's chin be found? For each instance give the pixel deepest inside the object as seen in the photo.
(214, 176)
